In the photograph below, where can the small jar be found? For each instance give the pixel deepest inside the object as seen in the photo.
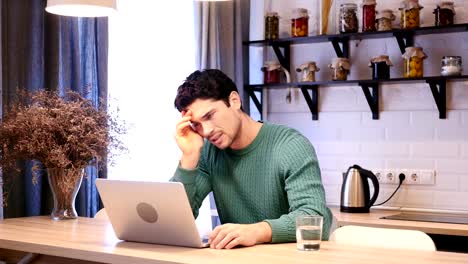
(308, 71)
(413, 62)
(271, 72)
(444, 14)
(451, 66)
(340, 69)
(385, 19)
(271, 25)
(380, 67)
(300, 23)
(368, 15)
(348, 21)
(410, 14)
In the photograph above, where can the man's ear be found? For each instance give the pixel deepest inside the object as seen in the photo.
(234, 100)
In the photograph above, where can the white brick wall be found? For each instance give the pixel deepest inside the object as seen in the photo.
(435, 150)
(465, 150)
(408, 134)
(451, 200)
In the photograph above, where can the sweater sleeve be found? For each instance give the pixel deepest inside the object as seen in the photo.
(196, 183)
(304, 189)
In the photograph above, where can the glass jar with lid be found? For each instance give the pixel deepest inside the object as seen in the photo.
(271, 72)
(348, 21)
(451, 66)
(410, 14)
(413, 62)
(300, 23)
(380, 67)
(444, 14)
(385, 19)
(368, 15)
(271, 25)
(308, 70)
(340, 69)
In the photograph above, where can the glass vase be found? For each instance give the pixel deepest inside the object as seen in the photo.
(64, 184)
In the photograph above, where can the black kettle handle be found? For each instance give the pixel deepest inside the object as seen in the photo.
(375, 182)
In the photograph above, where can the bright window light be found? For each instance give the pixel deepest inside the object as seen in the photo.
(151, 51)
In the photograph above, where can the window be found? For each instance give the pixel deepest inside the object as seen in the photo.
(151, 51)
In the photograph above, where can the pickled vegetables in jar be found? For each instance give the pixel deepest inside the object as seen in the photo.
(413, 62)
(384, 20)
(444, 14)
(380, 67)
(410, 14)
(271, 72)
(308, 70)
(413, 67)
(340, 69)
(348, 21)
(300, 23)
(368, 15)
(271, 25)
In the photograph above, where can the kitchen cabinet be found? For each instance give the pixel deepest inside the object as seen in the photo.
(370, 88)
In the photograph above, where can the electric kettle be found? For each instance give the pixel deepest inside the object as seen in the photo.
(355, 193)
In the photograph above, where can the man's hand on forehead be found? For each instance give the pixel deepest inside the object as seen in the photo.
(188, 113)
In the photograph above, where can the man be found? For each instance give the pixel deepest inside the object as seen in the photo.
(262, 175)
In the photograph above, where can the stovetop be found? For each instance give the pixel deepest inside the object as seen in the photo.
(429, 217)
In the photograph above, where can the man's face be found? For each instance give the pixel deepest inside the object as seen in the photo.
(215, 121)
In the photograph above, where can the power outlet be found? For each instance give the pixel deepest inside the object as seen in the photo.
(420, 177)
(412, 176)
(385, 176)
(379, 176)
(391, 177)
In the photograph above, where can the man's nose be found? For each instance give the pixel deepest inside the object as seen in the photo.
(207, 130)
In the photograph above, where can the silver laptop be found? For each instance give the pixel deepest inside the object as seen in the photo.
(150, 212)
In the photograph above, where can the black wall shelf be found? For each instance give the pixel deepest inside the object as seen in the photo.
(340, 43)
(360, 36)
(437, 84)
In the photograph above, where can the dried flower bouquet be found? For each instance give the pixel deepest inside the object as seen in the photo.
(61, 132)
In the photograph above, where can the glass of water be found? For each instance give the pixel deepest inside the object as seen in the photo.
(309, 232)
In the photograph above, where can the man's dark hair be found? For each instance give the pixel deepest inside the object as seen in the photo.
(206, 84)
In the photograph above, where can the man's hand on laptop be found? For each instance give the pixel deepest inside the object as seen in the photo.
(228, 236)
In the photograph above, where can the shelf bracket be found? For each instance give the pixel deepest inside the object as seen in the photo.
(343, 50)
(284, 59)
(405, 39)
(439, 91)
(257, 102)
(372, 98)
(312, 102)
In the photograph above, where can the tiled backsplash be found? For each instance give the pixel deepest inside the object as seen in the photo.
(409, 133)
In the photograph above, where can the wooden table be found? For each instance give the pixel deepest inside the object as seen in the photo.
(94, 240)
(372, 219)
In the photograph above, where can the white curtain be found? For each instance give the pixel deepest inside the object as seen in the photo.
(220, 28)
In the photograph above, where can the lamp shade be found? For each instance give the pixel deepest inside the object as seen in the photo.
(82, 8)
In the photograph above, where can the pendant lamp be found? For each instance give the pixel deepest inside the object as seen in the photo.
(82, 8)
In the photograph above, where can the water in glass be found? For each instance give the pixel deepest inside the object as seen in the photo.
(308, 237)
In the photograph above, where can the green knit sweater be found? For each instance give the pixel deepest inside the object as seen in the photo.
(274, 179)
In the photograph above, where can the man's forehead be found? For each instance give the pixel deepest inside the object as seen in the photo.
(201, 106)
(199, 113)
